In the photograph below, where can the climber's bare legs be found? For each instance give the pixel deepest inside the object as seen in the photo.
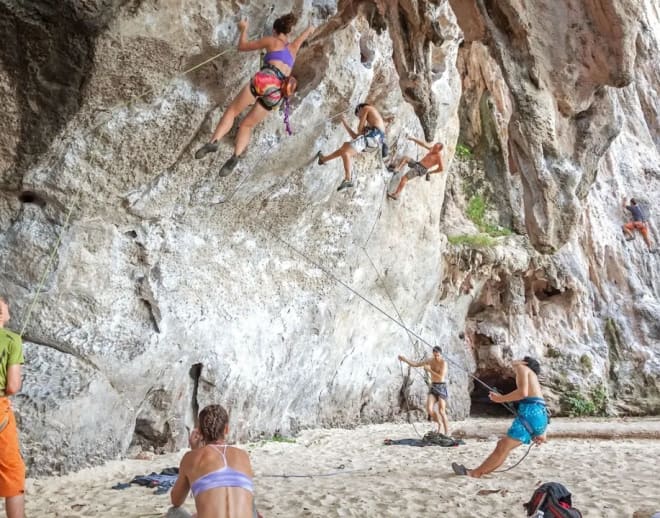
(242, 101)
(346, 152)
(254, 117)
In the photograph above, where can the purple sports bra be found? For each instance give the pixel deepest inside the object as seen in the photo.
(223, 477)
(284, 55)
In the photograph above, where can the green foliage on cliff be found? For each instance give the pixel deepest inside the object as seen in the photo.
(463, 152)
(281, 438)
(472, 240)
(476, 212)
(587, 364)
(576, 404)
(551, 352)
(600, 398)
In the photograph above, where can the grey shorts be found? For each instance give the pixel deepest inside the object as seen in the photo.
(416, 170)
(439, 390)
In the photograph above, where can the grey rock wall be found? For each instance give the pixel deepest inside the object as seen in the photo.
(173, 288)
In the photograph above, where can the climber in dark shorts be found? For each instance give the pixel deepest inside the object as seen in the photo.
(437, 368)
(430, 164)
(370, 136)
(638, 222)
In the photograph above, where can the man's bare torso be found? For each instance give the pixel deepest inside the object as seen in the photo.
(438, 370)
(533, 385)
(431, 159)
(374, 119)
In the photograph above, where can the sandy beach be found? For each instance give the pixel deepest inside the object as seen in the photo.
(609, 477)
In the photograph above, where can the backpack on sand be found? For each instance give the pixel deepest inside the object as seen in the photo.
(552, 500)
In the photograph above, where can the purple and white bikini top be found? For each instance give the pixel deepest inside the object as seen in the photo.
(284, 55)
(223, 477)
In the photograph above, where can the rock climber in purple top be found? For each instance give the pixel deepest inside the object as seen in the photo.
(264, 89)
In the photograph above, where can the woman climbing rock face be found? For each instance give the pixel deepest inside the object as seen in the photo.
(264, 91)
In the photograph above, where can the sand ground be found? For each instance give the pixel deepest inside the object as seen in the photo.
(608, 477)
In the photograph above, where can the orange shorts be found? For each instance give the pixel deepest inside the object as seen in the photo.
(12, 468)
(639, 225)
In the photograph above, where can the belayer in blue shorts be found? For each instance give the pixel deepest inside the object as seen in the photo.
(529, 424)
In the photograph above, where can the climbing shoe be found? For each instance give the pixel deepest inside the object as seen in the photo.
(318, 158)
(209, 147)
(391, 196)
(229, 166)
(344, 185)
(391, 168)
(428, 177)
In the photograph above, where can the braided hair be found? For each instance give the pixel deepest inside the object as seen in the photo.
(213, 420)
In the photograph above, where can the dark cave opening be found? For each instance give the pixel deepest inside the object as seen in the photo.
(31, 197)
(481, 405)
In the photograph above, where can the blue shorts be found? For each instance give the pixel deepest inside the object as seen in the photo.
(531, 411)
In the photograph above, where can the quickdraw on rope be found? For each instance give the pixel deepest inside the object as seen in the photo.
(287, 112)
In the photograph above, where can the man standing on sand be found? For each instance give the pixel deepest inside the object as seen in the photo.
(12, 468)
(437, 367)
(529, 425)
(370, 136)
(430, 164)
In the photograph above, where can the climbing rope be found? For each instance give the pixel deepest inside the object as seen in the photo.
(517, 463)
(398, 322)
(380, 310)
(51, 257)
(42, 281)
(340, 471)
(412, 341)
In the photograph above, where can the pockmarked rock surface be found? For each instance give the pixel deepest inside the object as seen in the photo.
(171, 287)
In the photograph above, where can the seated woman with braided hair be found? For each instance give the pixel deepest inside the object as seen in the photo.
(219, 475)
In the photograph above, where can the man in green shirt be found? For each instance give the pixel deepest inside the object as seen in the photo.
(12, 468)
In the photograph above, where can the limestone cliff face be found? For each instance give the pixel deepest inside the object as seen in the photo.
(172, 288)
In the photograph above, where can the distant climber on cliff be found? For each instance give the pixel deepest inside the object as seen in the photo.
(529, 425)
(437, 368)
(370, 136)
(639, 222)
(268, 87)
(430, 164)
